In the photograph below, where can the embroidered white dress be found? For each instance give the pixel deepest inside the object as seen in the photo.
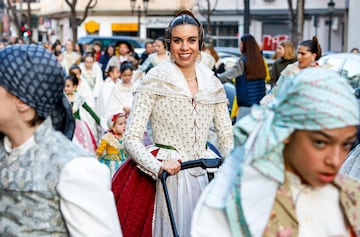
(180, 120)
(121, 96)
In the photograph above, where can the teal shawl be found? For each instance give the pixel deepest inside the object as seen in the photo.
(314, 99)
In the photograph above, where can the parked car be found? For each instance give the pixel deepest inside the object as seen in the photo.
(137, 43)
(347, 64)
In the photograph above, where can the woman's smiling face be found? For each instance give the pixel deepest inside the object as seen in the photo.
(184, 45)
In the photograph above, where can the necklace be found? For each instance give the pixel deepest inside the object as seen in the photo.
(194, 78)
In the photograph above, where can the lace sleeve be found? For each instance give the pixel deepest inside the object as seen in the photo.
(351, 166)
(133, 139)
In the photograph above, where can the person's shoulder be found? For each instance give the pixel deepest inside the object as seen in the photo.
(349, 185)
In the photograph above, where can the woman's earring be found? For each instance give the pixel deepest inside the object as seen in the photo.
(312, 64)
(171, 58)
(198, 58)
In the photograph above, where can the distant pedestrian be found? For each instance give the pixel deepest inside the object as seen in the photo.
(354, 50)
(249, 72)
(149, 49)
(121, 97)
(159, 56)
(286, 52)
(105, 57)
(110, 82)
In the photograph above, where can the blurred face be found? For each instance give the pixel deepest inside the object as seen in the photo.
(184, 45)
(305, 57)
(60, 57)
(316, 156)
(126, 75)
(111, 51)
(69, 87)
(89, 61)
(114, 74)
(134, 62)
(241, 46)
(76, 72)
(69, 46)
(149, 48)
(123, 49)
(119, 126)
(97, 48)
(159, 47)
(281, 51)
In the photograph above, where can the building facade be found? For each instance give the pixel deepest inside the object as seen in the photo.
(269, 20)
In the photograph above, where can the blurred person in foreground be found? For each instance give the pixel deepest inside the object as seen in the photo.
(48, 185)
(282, 177)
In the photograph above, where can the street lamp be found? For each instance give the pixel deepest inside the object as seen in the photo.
(331, 7)
(2, 6)
(145, 4)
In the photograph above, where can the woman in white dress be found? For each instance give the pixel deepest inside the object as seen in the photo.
(91, 72)
(181, 99)
(160, 55)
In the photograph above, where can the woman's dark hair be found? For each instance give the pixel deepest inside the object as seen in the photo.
(125, 66)
(73, 79)
(107, 48)
(57, 53)
(254, 63)
(111, 69)
(74, 66)
(184, 17)
(313, 46)
(162, 40)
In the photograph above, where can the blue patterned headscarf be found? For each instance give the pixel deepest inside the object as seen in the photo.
(32, 73)
(314, 99)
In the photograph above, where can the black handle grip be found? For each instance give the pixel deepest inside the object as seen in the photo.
(202, 162)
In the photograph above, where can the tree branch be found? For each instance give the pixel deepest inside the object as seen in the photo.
(90, 5)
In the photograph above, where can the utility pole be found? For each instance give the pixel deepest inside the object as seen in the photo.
(246, 16)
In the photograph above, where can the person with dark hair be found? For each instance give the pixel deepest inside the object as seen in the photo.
(48, 185)
(180, 98)
(101, 103)
(149, 49)
(60, 57)
(83, 136)
(308, 52)
(84, 91)
(355, 50)
(124, 50)
(105, 57)
(97, 50)
(91, 72)
(249, 73)
(160, 55)
(121, 96)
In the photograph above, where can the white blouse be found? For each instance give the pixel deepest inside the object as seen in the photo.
(317, 209)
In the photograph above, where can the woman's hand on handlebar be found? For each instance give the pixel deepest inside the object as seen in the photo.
(171, 166)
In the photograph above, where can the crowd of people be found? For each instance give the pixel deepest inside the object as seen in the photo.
(88, 132)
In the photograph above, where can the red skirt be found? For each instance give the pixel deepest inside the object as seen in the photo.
(134, 193)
